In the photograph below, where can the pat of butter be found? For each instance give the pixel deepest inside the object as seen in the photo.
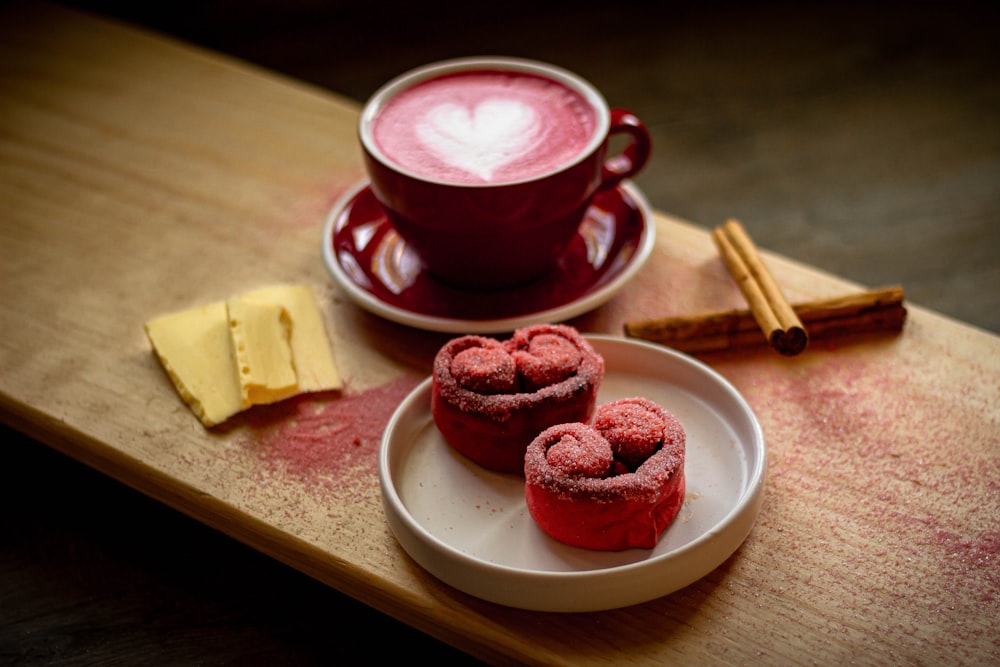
(263, 357)
(258, 347)
(195, 348)
(314, 364)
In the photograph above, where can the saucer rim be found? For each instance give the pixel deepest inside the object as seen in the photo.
(586, 302)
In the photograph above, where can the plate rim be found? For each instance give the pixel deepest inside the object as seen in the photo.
(453, 325)
(417, 541)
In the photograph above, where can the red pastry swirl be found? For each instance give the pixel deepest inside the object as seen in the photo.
(609, 486)
(491, 398)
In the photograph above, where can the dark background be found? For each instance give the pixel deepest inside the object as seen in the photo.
(860, 138)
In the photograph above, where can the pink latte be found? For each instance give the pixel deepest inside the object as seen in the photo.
(485, 127)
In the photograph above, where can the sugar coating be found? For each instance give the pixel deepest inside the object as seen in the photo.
(485, 370)
(552, 363)
(635, 427)
(614, 508)
(580, 451)
(642, 483)
(490, 418)
(545, 359)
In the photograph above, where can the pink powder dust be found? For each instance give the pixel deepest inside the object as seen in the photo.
(893, 470)
(328, 436)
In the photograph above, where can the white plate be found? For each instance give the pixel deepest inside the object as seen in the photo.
(470, 528)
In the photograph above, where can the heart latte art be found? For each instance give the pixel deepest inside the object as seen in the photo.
(485, 127)
(481, 139)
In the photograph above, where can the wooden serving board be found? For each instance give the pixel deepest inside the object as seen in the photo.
(139, 176)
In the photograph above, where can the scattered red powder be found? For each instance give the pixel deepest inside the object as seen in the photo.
(888, 469)
(328, 436)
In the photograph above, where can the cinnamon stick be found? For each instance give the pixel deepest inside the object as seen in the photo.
(827, 319)
(782, 328)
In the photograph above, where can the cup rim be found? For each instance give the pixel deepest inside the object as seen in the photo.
(504, 63)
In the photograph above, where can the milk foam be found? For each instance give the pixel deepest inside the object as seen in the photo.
(480, 139)
(484, 127)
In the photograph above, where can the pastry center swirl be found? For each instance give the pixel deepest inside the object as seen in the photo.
(491, 369)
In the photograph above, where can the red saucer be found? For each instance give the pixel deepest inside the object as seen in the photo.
(382, 274)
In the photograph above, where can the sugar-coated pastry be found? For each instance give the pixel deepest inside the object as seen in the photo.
(611, 485)
(491, 398)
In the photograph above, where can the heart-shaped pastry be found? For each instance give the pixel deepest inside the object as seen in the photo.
(491, 398)
(611, 485)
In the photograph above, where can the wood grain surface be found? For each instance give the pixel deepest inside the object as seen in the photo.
(141, 176)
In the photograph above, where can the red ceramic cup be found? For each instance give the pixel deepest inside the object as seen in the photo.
(486, 166)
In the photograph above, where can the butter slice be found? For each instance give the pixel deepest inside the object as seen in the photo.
(262, 354)
(258, 347)
(195, 349)
(311, 355)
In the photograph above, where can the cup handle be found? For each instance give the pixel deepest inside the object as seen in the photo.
(635, 154)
